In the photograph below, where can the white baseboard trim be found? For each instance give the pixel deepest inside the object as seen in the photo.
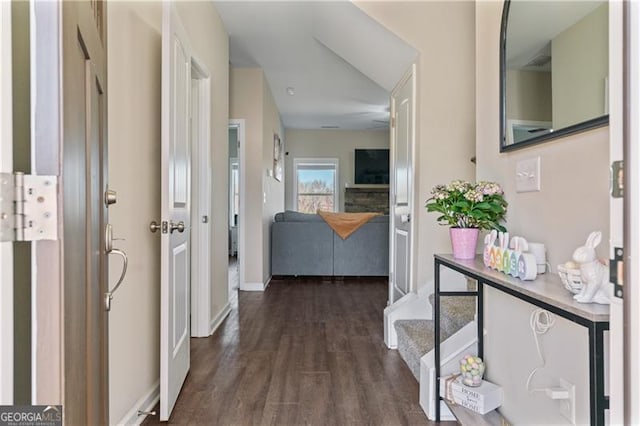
(146, 403)
(215, 323)
(255, 286)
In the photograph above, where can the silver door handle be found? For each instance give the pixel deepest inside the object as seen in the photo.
(110, 197)
(404, 218)
(108, 296)
(154, 226)
(176, 227)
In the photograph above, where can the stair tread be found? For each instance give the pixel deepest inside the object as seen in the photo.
(416, 336)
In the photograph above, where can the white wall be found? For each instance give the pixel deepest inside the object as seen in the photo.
(134, 34)
(134, 134)
(443, 34)
(573, 201)
(271, 125)
(578, 69)
(210, 45)
(245, 93)
(529, 95)
(329, 143)
(251, 100)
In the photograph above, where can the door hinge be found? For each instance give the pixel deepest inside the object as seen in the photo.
(393, 122)
(28, 207)
(616, 271)
(617, 179)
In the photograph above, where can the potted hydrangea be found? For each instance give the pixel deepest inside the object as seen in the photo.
(467, 208)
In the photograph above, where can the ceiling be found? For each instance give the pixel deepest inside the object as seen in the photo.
(533, 24)
(340, 63)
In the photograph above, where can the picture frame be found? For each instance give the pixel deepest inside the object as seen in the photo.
(277, 157)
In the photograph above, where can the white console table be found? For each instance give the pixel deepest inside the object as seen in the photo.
(546, 292)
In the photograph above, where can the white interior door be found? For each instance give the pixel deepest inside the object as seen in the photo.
(175, 209)
(402, 145)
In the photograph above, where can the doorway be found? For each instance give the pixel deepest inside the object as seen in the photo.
(200, 200)
(236, 206)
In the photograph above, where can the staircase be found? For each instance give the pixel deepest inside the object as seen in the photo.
(416, 343)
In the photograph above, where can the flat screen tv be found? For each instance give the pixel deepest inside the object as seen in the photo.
(371, 166)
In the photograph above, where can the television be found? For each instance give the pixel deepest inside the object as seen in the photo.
(371, 166)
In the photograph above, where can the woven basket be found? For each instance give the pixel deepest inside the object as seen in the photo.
(571, 279)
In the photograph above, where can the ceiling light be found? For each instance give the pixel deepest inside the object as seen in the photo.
(291, 91)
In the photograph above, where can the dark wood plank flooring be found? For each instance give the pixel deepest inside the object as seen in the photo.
(303, 352)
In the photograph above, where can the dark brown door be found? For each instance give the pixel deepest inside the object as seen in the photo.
(84, 97)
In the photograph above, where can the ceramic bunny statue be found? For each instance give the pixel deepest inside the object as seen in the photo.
(595, 275)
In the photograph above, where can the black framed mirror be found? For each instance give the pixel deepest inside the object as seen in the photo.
(554, 70)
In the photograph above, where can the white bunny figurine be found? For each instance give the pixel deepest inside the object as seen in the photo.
(595, 275)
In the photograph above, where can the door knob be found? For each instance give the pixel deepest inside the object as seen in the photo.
(110, 197)
(176, 226)
(404, 218)
(155, 226)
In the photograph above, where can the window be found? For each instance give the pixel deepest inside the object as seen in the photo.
(234, 192)
(315, 184)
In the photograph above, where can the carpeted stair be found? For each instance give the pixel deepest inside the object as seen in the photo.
(415, 337)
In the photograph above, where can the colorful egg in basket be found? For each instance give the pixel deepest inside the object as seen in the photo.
(471, 370)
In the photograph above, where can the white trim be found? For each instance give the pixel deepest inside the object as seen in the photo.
(615, 360)
(47, 334)
(242, 166)
(253, 286)
(632, 221)
(335, 162)
(215, 322)
(146, 403)
(201, 203)
(6, 249)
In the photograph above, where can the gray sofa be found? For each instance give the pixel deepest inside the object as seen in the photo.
(303, 244)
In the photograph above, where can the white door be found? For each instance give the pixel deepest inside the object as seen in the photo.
(175, 210)
(402, 145)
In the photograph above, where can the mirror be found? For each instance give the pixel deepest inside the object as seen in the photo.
(554, 69)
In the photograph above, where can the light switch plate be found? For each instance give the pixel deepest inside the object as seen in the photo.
(528, 175)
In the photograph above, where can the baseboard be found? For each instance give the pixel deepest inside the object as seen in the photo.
(255, 286)
(215, 323)
(146, 403)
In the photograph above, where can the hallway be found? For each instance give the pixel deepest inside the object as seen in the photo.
(303, 352)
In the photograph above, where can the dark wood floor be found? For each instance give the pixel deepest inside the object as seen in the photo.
(303, 352)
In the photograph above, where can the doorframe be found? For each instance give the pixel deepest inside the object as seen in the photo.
(631, 138)
(201, 185)
(6, 248)
(239, 123)
(47, 344)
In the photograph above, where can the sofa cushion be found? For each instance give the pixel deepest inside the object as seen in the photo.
(292, 216)
(301, 249)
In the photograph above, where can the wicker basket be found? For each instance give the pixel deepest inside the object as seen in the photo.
(570, 278)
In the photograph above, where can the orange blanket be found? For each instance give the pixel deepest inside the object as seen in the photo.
(345, 224)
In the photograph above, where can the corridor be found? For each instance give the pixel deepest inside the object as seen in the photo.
(303, 352)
